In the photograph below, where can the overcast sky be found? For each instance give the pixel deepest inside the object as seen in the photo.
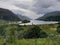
(31, 8)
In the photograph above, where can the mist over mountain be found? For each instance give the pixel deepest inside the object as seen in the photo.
(51, 16)
(8, 15)
(23, 17)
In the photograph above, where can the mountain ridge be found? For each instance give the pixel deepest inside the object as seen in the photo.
(51, 16)
(8, 15)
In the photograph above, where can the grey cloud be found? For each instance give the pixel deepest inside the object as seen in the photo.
(22, 6)
(58, 0)
(44, 6)
(36, 7)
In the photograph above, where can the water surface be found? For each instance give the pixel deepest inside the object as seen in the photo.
(37, 22)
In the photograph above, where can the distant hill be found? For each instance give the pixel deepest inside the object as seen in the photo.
(52, 16)
(7, 15)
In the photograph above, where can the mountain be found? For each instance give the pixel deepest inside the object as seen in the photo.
(8, 15)
(21, 15)
(51, 16)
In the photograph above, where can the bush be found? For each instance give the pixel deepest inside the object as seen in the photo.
(25, 21)
(35, 32)
(58, 29)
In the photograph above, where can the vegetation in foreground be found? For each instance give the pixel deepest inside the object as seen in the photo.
(14, 34)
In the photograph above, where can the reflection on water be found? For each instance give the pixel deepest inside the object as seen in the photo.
(37, 22)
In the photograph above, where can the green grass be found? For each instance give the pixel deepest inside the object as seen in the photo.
(44, 41)
(1, 41)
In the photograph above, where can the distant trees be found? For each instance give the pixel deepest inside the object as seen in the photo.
(25, 21)
(35, 32)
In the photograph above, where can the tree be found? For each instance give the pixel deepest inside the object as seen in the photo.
(25, 21)
(58, 29)
(11, 34)
(2, 31)
(35, 32)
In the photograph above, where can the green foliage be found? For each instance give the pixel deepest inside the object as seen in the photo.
(44, 41)
(14, 33)
(58, 29)
(35, 32)
(11, 33)
(2, 32)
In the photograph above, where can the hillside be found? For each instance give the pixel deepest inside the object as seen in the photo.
(7, 15)
(51, 16)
